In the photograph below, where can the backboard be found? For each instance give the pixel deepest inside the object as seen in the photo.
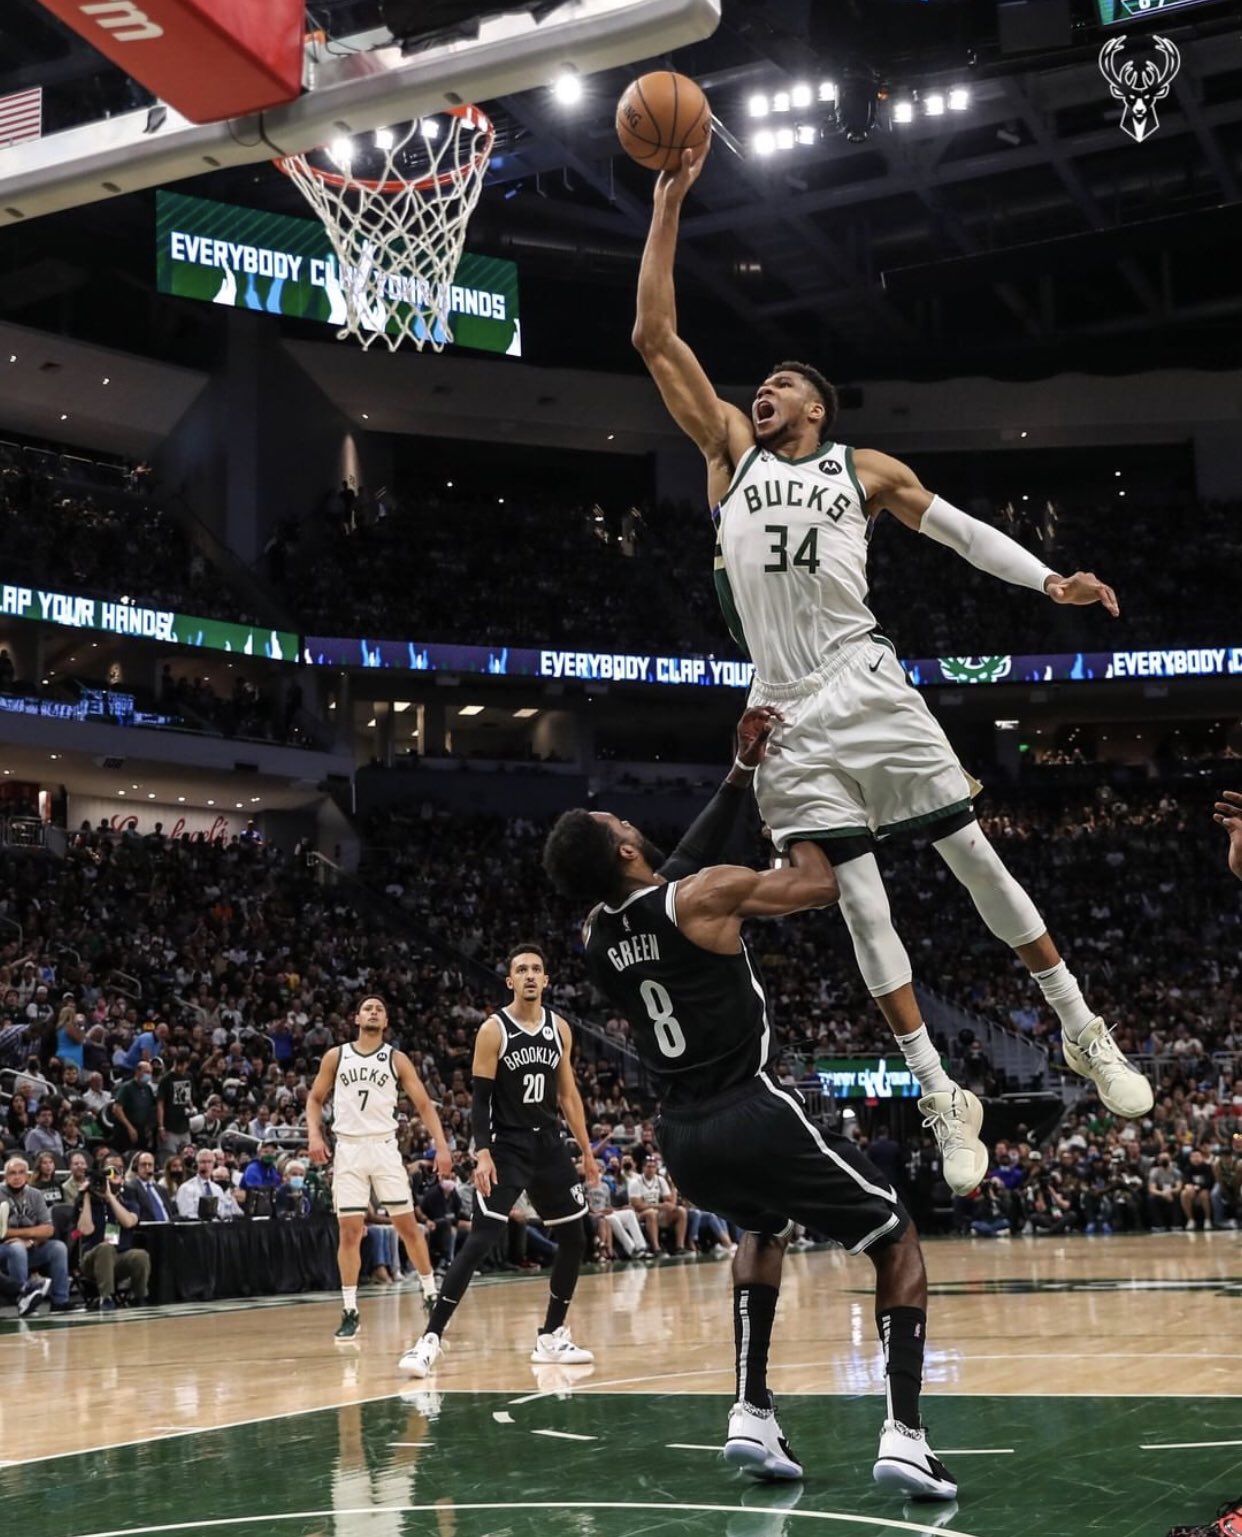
(361, 83)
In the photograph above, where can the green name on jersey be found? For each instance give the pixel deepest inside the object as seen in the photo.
(789, 493)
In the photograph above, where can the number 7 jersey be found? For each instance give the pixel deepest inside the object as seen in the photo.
(698, 1020)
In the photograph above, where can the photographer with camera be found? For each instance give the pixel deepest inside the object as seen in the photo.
(105, 1220)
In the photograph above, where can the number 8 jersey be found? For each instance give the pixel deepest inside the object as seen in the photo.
(525, 1093)
(698, 1020)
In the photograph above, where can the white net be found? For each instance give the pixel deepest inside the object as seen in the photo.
(398, 230)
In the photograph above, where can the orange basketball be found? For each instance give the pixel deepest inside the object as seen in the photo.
(660, 116)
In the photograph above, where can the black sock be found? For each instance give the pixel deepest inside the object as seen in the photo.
(903, 1332)
(570, 1248)
(754, 1308)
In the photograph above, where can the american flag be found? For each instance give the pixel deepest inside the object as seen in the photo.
(21, 116)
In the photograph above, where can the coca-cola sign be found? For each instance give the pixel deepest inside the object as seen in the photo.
(140, 817)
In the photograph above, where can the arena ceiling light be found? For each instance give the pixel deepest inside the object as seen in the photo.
(757, 106)
(524, 714)
(384, 138)
(959, 99)
(903, 111)
(934, 104)
(567, 87)
(472, 709)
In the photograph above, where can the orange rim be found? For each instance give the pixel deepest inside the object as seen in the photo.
(474, 117)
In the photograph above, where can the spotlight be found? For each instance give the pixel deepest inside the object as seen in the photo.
(959, 99)
(807, 133)
(384, 138)
(828, 91)
(764, 142)
(780, 102)
(784, 138)
(758, 105)
(800, 96)
(903, 112)
(430, 128)
(342, 151)
(933, 105)
(567, 88)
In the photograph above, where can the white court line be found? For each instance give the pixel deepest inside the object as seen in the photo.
(989, 1451)
(1185, 1446)
(564, 1435)
(689, 1446)
(886, 1524)
(409, 1443)
(502, 1417)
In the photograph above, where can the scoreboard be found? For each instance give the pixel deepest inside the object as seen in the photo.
(1113, 12)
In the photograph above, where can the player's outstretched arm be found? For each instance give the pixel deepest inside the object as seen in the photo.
(720, 430)
(483, 1087)
(427, 1113)
(705, 839)
(320, 1093)
(711, 905)
(892, 486)
(570, 1100)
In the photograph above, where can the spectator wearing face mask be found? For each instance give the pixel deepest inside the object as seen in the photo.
(292, 1198)
(134, 1109)
(208, 1195)
(1164, 1186)
(261, 1172)
(442, 1206)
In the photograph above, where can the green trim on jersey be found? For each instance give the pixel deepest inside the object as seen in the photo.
(825, 447)
(928, 816)
(826, 835)
(728, 607)
(849, 465)
(739, 475)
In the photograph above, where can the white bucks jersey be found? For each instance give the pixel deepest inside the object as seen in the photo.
(791, 559)
(364, 1100)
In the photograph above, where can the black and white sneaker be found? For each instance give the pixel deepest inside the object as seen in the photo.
(32, 1295)
(906, 1464)
(755, 1444)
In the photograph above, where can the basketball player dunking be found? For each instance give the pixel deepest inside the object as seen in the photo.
(858, 756)
(670, 956)
(362, 1080)
(522, 1074)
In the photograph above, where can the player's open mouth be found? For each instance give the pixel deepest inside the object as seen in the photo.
(765, 410)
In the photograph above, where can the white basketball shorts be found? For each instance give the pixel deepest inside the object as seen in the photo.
(858, 752)
(363, 1164)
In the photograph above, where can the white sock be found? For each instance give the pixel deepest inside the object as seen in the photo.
(349, 1298)
(923, 1060)
(428, 1283)
(1060, 989)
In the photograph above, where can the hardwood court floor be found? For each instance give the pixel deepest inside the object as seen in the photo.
(1082, 1387)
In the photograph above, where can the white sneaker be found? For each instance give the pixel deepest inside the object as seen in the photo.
(559, 1349)
(420, 1359)
(756, 1445)
(905, 1463)
(955, 1118)
(1095, 1055)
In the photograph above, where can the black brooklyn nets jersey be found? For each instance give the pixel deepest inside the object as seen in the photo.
(698, 1020)
(525, 1095)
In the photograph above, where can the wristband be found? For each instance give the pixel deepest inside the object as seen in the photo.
(746, 768)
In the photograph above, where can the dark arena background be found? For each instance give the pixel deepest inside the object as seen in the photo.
(305, 644)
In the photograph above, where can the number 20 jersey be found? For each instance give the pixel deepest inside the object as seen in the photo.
(698, 1020)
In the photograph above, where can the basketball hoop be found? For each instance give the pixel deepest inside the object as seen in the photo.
(398, 234)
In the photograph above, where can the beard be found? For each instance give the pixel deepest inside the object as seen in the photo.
(653, 855)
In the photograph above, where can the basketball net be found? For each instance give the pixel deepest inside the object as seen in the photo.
(398, 235)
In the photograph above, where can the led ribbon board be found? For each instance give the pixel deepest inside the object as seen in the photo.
(250, 259)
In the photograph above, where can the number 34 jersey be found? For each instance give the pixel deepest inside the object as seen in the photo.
(525, 1093)
(698, 1020)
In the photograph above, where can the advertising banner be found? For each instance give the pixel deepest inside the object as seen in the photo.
(141, 817)
(867, 1078)
(248, 258)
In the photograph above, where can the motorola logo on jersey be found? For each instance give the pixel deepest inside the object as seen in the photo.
(829, 467)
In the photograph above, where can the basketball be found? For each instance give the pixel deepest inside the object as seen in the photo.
(660, 116)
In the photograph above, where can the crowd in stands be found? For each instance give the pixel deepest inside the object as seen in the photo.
(170, 1001)
(89, 527)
